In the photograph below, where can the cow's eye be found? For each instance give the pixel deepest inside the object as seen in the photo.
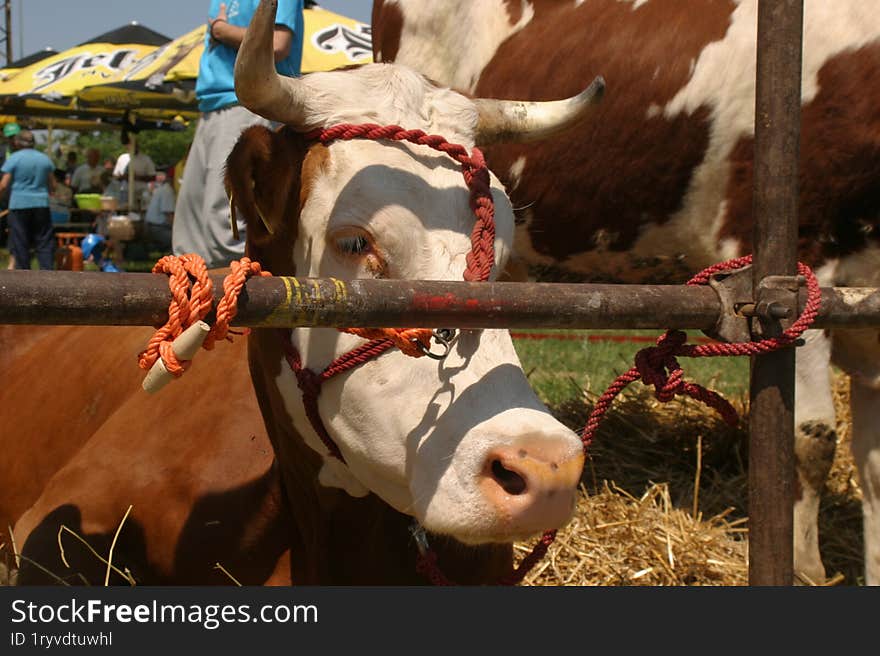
(353, 245)
(356, 244)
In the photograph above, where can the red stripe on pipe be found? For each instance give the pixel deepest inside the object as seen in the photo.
(620, 339)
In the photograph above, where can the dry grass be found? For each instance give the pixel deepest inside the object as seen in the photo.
(650, 466)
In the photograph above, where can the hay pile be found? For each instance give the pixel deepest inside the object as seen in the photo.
(665, 495)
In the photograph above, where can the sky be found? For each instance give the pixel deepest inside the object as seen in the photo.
(60, 24)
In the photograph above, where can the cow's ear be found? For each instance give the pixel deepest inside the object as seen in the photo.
(263, 183)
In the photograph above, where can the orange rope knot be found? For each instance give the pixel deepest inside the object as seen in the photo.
(406, 339)
(192, 297)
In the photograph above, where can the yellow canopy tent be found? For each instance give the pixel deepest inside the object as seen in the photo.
(164, 79)
(331, 40)
(51, 120)
(16, 67)
(49, 86)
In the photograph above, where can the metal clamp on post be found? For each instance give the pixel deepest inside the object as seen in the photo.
(776, 307)
(734, 289)
(744, 318)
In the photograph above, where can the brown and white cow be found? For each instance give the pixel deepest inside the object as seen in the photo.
(660, 185)
(462, 446)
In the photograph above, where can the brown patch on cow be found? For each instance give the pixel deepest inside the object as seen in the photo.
(514, 10)
(839, 164)
(386, 27)
(314, 165)
(619, 170)
(263, 175)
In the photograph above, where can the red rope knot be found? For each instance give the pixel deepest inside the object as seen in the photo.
(309, 382)
(227, 308)
(658, 367)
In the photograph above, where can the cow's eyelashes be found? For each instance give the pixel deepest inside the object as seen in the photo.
(358, 245)
(353, 245)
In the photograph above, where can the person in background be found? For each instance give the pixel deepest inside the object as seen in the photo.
(202, 216)
(160, 212)
(87, 176)
(29, 174)
(144, 173)
(9, 131)
(109, 183)
(70, 166)
(62, 198)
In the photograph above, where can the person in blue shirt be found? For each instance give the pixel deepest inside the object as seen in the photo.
(29, 174)
(202, 215)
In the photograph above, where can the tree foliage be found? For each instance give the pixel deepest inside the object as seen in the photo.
(164, 147)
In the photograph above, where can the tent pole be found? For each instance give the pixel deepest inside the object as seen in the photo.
(131, 151)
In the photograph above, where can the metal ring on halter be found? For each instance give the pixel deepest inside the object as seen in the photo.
(445, 337)
(420, 535)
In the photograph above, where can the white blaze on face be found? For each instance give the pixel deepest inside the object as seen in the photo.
(415, 431)
(441, 44)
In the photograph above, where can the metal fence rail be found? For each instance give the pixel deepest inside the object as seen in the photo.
(95, 299)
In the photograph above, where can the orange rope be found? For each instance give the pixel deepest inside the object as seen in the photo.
(406, 339)
(192, 295)
(227, 308)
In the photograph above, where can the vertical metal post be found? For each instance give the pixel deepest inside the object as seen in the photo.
(777, 137)
(7, 30)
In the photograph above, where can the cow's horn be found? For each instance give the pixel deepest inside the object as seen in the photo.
(503, 121)
(257, 84)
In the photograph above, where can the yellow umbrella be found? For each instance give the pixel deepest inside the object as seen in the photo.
(148, 86)
(19, 65)
(163, 81)
(331, 41)
(53, 82)
(58, 123)
(44, 122)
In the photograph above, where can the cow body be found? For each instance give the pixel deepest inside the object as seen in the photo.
(83, 442)
(659, 185)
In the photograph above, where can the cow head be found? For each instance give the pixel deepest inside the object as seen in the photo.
(463, 445)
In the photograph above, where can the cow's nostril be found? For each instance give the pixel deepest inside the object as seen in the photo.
(509, 480)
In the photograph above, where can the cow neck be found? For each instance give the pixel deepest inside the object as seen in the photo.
(479, 264)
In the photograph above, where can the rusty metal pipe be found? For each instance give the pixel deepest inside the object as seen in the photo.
(91, 298)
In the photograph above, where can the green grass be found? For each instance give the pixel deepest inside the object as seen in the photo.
(560, 370)
(130, 266)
